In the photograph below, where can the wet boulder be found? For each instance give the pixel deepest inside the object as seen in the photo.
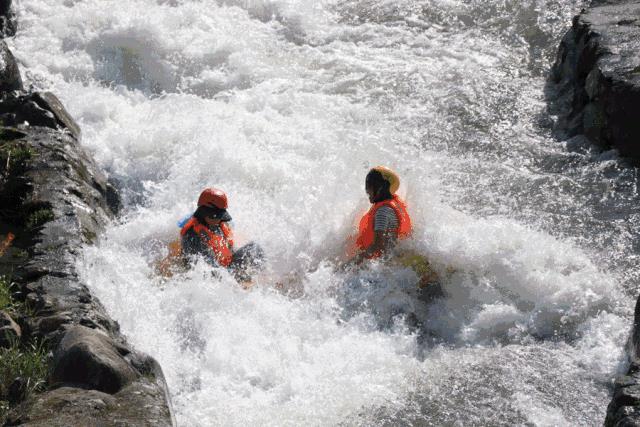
(89, 358)
(37, 109)
(49, 102)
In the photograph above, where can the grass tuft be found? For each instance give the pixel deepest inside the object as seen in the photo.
(27, 364)
(6, 302)
(39, 217)
(22, 364)
(14, 155)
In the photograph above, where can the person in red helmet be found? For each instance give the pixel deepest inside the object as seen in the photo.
(208, 234)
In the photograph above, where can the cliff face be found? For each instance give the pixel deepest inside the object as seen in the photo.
(595, 84)
(597, 77)
(54, 200)
(624, 409)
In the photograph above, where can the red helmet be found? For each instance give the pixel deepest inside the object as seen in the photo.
(212, 197)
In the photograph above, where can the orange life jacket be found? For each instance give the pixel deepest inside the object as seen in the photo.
(366, 233)
(221, 245)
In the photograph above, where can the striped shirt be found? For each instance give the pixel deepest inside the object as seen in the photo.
(385, 219)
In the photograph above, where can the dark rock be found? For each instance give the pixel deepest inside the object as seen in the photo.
(596, 77)
(50, 102)
(113, 199)
(8, 23)
(52, 323)
(5, 7)
(624, 409)
(635, 334)
(31, 113)
(37, 109)
(9, 72)
(624, 416)
(10, 332)
(629, 395)
(89, 358)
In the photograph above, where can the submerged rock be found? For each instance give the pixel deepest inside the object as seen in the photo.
(597, 77)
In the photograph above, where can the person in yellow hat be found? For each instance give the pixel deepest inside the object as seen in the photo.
(387, 220)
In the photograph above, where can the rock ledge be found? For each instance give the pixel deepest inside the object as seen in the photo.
(597, 77)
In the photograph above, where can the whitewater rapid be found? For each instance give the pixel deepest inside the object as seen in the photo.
(285, 105)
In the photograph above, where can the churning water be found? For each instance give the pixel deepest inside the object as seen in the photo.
(285, 105)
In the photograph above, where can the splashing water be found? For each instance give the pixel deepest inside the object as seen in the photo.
(285, 105)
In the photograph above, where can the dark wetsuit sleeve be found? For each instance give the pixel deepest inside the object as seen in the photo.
(193, 245)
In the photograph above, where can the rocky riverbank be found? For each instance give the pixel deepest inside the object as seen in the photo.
(595, 90)
(54, 200)
(624, 409)
(596, 77)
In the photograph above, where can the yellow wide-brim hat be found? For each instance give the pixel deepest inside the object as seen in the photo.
(390, 176)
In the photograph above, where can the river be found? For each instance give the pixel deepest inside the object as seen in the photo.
(285, 105)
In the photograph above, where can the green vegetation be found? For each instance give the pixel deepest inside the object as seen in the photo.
(22, 365)
(26, 365)
(39, 217)
(10, 305)
(14, 155)
(6, 302)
